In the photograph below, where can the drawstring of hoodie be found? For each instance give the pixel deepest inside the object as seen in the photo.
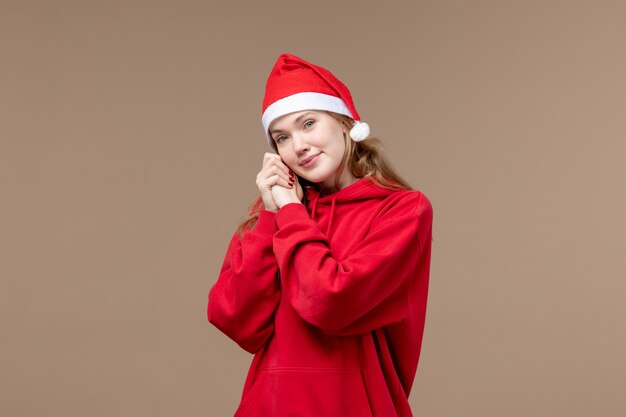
(317, 197)
(331, 217)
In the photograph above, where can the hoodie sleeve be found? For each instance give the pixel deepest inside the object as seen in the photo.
(243, 300)
(367, 289)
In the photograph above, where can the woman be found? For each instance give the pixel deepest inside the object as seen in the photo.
(326, 280)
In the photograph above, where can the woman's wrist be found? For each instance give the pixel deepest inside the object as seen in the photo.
(289, 202)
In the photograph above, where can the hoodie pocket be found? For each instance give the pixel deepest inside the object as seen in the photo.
(304, 392)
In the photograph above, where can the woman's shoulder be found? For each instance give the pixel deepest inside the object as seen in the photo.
(409, 199)
(405, 206)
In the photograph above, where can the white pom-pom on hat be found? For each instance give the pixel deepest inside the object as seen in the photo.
(360, 131)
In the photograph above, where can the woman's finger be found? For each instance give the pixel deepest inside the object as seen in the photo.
(278, 180)
(270, 159)
(274, 159)
(266, 183)
(275, 171)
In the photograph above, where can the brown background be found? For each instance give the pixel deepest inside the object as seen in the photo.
(130, 139)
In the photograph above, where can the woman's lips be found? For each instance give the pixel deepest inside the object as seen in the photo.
(310, 161)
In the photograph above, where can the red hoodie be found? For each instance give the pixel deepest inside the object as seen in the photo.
(337, 332)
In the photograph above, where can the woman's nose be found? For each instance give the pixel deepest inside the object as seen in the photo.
(300, 143)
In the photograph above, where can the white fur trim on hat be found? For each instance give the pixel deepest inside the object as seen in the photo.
(302, 101)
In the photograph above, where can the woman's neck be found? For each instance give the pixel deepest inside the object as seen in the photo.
(328, 187)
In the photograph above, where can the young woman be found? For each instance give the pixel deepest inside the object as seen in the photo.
(326, 280)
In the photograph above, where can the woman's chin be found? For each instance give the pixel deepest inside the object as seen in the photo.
(317, 175)
(316, 179)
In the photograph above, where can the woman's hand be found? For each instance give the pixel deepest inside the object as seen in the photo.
(274, 173)
(284, 195)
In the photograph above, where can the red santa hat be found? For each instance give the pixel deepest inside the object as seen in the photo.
(295, 85)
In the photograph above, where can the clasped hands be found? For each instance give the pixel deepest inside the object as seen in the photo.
(277, 183)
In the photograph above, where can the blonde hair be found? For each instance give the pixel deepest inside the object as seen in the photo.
(364, 160)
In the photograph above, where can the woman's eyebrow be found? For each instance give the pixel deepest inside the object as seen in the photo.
(303, 115)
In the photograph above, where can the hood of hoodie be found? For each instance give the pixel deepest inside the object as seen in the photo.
(321, 206)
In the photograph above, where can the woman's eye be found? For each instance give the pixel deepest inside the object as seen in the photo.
(309, 123)
(280, 138)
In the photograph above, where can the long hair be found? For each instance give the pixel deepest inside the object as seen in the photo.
(364, 160)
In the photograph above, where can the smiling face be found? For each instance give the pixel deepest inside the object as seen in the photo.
(312, 144)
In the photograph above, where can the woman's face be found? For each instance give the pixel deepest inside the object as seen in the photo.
(312, 145)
